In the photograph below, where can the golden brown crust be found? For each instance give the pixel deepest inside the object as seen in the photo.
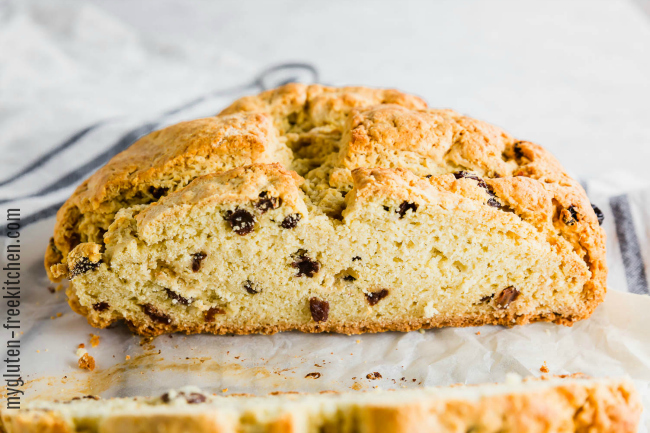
(398, 184)
(202, 422)
(573, 216)
(34, 422)
(568, 408)
(550, 405)
(316, 105)
(231, 141)
(377, 135)
(336, 138)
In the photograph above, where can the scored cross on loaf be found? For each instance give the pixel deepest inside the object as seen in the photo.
(329, 209)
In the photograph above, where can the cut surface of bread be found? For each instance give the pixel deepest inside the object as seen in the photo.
(550, 406)
(329, 209)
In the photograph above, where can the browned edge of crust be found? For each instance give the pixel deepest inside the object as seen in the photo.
(509, 319)
(155, 329)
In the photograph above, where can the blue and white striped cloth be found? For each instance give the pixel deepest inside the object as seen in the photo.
(46, 180)
(626, 206)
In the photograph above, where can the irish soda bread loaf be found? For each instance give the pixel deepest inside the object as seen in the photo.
(329, 209)
(548, 406)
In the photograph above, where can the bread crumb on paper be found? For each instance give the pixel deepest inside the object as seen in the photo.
(94, 340)
(87, 362)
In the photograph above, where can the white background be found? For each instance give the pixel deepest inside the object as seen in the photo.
(570, 75)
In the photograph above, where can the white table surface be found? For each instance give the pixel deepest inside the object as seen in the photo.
(572, 75)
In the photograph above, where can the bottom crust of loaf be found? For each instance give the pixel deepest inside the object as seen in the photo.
(153, 329)
(555, 405)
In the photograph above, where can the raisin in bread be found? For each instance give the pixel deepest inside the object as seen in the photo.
(329, 209)
(551, 406)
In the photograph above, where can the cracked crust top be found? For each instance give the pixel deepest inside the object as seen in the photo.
(328, 136)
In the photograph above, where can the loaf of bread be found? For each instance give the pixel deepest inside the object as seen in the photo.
(546, 406)
(329, 209)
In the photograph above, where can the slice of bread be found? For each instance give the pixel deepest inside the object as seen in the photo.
(550, 406)
(322, 209)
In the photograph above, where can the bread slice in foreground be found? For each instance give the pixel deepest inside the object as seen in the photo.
(324, 209)
(550, 406)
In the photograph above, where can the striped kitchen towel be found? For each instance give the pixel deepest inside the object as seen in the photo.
(40, 188)
(625, 202)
